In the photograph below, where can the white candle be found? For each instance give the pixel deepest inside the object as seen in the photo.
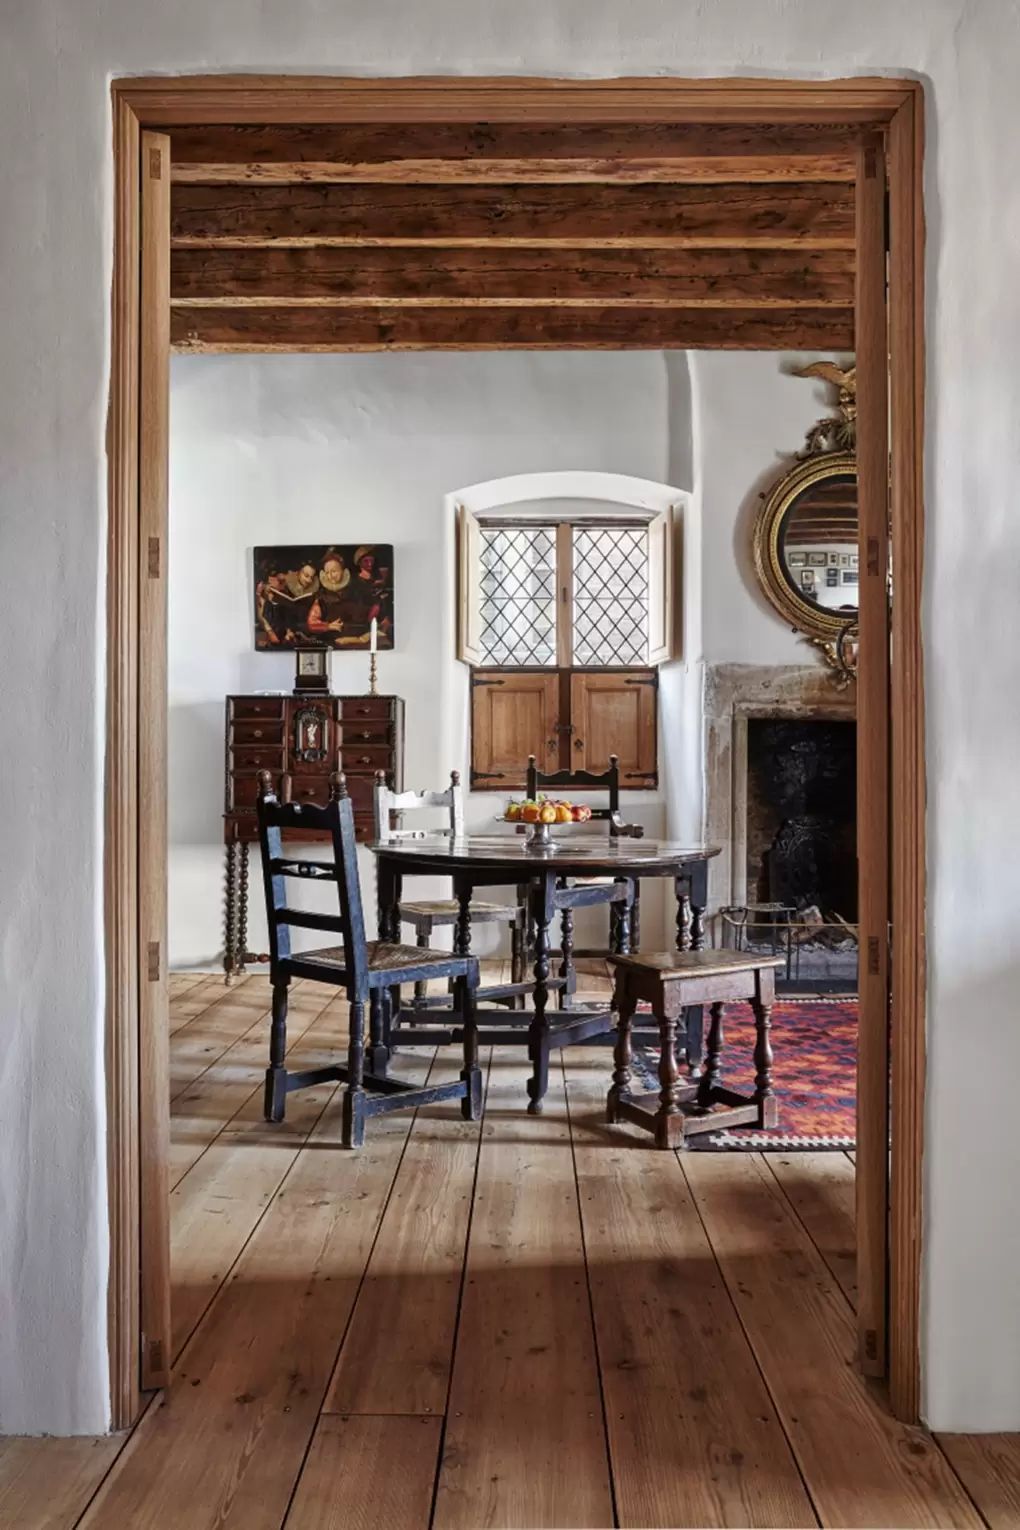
(372, 641)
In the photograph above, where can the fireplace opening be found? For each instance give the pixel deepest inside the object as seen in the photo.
(802, 846)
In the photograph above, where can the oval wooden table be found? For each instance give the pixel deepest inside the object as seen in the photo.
(506, 860)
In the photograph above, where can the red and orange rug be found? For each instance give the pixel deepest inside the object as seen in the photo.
(815, 1076)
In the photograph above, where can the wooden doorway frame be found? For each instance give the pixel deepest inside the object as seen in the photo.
(888, 115)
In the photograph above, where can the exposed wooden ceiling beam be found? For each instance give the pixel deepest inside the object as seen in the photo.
(248, 328)
(512, 153)
(803, 215)
(459, 275)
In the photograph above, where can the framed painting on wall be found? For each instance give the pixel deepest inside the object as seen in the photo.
(322, 595)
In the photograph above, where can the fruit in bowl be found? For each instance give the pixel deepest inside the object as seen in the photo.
(545, 811)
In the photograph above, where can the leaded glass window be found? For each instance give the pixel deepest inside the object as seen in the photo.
(518, 595)
(610, 612)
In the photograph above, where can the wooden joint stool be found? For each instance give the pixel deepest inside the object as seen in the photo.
(669, 981)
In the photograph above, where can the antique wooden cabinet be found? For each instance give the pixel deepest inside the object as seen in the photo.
(306, 738)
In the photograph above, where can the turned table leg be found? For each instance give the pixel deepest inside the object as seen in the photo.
(623, 1054)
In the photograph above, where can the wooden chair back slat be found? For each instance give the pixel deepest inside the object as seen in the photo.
(607, 780)
(390, 804)
(336, 820)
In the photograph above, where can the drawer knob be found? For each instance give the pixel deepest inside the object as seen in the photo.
(258, 732)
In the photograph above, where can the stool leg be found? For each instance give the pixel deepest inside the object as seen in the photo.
(424, 929)
(378, 1054)
(711, 1077)
(276, 1073)
(768, 1113)
(666, 1123)
(623, 1055)
(353, 1128)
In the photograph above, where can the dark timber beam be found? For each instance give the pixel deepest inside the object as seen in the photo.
(513, 152)
(810, 215)
(474, 275)
(255, 328)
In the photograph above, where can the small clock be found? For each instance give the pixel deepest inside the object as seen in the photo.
(311, 673)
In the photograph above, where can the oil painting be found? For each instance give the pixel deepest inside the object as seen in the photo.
(323, 596)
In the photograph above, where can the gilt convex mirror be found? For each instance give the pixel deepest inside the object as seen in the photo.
(806, 535)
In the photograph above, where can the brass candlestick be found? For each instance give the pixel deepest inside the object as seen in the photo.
(373, 688)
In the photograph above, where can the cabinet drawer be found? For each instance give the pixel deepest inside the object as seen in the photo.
(360, 757)
(254, 758)
(243, 790)
(366, 731)
(378, 707)
(266, 735)
(310, 789)
(257, 706)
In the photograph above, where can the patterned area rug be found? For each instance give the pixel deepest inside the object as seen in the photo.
(815, 1075)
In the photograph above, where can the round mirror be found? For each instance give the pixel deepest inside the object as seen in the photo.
(805, 545)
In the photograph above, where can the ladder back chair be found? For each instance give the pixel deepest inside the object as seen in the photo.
(622, 895)
(366, 970)
(425, 914)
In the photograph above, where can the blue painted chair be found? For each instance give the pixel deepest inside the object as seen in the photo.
(366, 970)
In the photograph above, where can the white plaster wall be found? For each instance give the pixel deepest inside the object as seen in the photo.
(271, 449)
(749, 418)
(56, 194)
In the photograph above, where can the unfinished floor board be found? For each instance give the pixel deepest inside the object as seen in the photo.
(860, 1465)
(820, 1187)
(46, 1484)
(194, 1000)
(199, 1112)
(346, 1483)
(989, 1467)
(220, 1200)
(525, 1440)
(195, 1046)
(398, 1351)
(694, 1438)
(227, 1446)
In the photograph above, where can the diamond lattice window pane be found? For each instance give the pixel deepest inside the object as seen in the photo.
(610, 595)
(518, 595)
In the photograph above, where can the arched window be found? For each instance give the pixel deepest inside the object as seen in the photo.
(566, 607)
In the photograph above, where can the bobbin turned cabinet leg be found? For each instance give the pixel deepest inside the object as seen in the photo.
(241, 954)
(276, 1073)
(229, 912)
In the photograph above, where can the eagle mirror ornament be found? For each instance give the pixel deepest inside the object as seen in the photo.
(806, 535)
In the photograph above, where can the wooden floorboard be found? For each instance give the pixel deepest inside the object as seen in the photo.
(204, 1039)
(989, 1467)
(397, 1355)
(368, 1474)
(694, 1437)
(226, 1448)
(696, 1311)
(219, 1202)
(820, 1187)
(525, 1438)
(194, 1000)
(199, 1112)
(861, 1466)
(46, 1484)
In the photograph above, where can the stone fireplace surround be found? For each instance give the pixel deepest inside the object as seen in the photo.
(735, 693)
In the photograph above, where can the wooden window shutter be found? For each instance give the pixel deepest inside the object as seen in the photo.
(661, 614)
(614, 712)
(469, 563)
(514, 713)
